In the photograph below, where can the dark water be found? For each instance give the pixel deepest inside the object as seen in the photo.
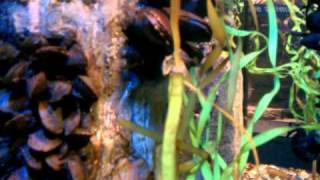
(278, 152)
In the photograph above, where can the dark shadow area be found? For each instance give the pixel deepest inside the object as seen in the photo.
(279, 153)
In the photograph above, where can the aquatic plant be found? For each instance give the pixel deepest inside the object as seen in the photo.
(186, 89)
(238, 61)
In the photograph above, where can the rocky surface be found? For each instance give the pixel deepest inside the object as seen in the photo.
(270, 172)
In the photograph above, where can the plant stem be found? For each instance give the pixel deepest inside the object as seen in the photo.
(169, 147)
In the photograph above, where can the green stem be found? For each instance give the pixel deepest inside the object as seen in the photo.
(169, 148)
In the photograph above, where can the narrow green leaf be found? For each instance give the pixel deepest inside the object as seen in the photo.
(265, 137)
(263, 104)
(216, 169)
(206, 171)
(207, 106)
(261, 107)
(219, 130)
(246, 59)
(238, 32)
(192, 176)
(268, 135)
(291, 105)
(221, 161)
(227, 173)
(273, 33)
(216, 165)
(187, 116)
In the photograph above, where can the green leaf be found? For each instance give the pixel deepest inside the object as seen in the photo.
(206, 171)
(261, 107)
(311, 127)
(216, 169)
(187, 116)
(263, 104)
(216, 165)
(192, 176)
(227, 173)
(273, 33)
(291, 103)
(268, 135)
(221, 161)
(237, 32)
(265, 137)
(272, 51)
(207, 106)
(192, 133)
(246, 59)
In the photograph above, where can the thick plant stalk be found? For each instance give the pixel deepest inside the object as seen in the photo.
(176, 86)
(169, 148)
